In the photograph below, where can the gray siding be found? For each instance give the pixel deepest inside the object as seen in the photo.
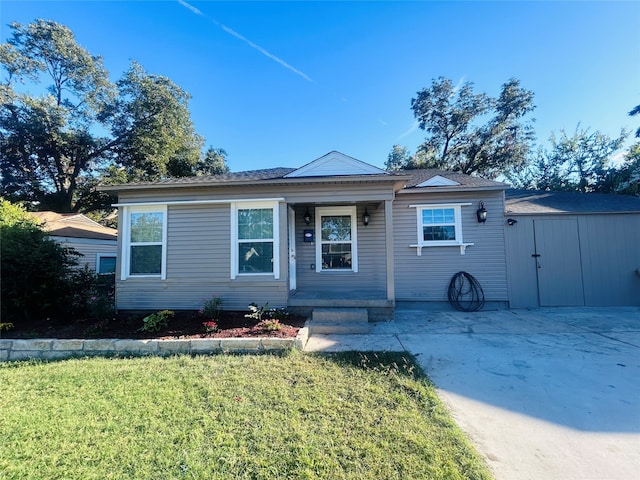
(88, 248)
(371, 275)
(427, 277)
(199, 267)
(608, 251)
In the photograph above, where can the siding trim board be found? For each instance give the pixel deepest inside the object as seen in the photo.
(196, 202)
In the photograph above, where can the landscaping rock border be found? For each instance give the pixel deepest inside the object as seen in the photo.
(58, 349)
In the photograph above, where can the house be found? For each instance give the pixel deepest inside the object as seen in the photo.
(334, 232)
(97, 244)
(572, 249)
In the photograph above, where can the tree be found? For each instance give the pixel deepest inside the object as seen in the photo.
(398, 159)
(214, 162)
(36, 271)
(50, 151)
(458, 139)
(636, 111)
(580, 162)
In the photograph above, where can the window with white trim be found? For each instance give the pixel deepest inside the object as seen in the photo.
(255, 245)
(336, 241)
(105, 263)
(145, 242)
(440, 226)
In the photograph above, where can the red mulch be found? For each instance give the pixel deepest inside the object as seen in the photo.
(183, 325)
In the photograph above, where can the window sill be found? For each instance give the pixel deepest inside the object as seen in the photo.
(462, 246)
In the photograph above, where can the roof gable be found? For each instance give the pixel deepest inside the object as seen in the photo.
(335, 164)
(74, 225)
(438, 181)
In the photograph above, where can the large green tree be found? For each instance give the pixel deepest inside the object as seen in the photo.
(579, 162)
(56, 142)
(473, 133)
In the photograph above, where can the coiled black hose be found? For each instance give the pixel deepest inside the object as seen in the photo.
(465, 293)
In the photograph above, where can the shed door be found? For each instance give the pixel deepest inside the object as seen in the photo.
(558, 260)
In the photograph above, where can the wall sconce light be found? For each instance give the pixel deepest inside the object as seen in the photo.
(511, 221)
(482, 213)
(307, 217)
(366, 217)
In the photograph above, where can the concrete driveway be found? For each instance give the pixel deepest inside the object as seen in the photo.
(543, 394)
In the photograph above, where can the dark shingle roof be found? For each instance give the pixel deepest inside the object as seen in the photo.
(246, 176)
(533, 201)
(465, 181)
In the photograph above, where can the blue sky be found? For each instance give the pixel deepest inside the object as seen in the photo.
(282, 83)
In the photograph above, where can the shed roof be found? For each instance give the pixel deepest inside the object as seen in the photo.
(74, 225)
(548, 202)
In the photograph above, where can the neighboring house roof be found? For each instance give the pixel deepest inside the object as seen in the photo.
(74, 225)
(334, 167)
(547, 202)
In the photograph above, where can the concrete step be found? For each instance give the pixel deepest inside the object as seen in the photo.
(339, 320)
(348, 315)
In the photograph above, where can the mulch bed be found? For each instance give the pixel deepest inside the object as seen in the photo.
(184, 325)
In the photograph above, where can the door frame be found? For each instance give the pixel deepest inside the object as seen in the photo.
(291, 214)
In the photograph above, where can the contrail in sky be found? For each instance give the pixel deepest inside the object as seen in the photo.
(247, 41)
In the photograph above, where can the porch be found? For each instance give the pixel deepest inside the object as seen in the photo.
(376, 303)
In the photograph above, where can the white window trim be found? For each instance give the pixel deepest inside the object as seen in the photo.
(458, 242)
(275, 206)
(126, 240)
(100, 256)
(345, 210)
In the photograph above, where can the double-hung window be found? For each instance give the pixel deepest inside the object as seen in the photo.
(336, 248)
(145, 240)
(440, 226)
(255, 243)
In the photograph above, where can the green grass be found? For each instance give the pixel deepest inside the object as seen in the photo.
(292, 416)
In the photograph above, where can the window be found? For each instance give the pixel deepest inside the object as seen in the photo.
(105, 263)
(255, 243)
(440, 226)
(336, 241)
(144, 247)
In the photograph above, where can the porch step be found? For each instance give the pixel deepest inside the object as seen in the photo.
(339, 320)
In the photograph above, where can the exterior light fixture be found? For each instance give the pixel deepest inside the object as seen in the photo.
(481, 213)
(511, 221)
(366, 217)
(307, 216)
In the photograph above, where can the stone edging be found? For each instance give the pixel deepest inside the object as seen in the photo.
(56, 349)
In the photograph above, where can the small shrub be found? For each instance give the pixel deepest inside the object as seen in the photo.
(5, 326)
(156, 321)
(210, 327)
(278, 314)
(212, 308)
(256, 311)
(270, 325)
(93, 297)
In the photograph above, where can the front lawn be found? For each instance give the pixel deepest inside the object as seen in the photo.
(291, 416)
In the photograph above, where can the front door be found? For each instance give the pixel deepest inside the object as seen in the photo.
(558, 262)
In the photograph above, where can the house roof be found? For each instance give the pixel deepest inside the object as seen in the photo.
(333, 167)
(547, 202)
(443, 180)
(74, 225)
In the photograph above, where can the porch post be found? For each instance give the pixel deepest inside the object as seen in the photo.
(388, 226)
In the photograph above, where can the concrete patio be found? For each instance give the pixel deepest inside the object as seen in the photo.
(544, 393)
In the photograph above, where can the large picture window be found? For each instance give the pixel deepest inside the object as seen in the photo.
(255, 250)
(336, 246)
(145, 233)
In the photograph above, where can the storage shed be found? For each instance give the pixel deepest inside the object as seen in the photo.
(572, 249)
